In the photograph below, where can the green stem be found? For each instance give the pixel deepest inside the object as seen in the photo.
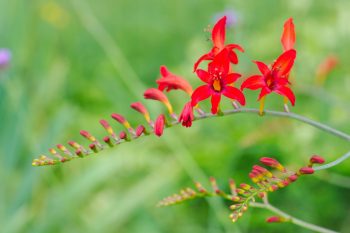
(331, 164)
(297, 117)
(290, 218)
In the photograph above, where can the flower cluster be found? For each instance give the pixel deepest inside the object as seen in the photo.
(219, 80)
(243, 195)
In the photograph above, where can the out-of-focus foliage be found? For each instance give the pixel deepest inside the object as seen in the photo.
(75, 62)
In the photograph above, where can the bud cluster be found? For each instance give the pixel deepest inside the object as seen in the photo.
(264, 181)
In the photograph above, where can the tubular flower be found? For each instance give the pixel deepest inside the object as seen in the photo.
(218, 35)
(187, 116)
(274, 79)
(171, 81)
(218, 80)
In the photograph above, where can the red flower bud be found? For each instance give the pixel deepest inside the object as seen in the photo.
(139, 130)
(275, 219)
(141, 109)
(122, 135)
(187, 116)
(121, 120)
(107, 127)
(159, 125)
(272, 163)
(306, 170)
(293, 178)
(155, 94)
(317, 159)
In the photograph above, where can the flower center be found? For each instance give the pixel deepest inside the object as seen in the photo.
(217, 85)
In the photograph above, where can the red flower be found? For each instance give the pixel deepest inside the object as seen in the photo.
(171, 81)
(187, 116)
(218, 37)
(218, 81)
(274, 79)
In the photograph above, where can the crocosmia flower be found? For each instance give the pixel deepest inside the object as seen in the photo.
(218, 38)
(218, 80)
(274, 79)
(170, 81)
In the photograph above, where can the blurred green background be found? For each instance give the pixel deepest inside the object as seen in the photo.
(76, 62)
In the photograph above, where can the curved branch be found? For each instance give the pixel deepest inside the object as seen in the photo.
(290, 218)
(335, 162)
(297, 117)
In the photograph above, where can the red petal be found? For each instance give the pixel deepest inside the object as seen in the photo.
(231, 78)
(234, 46)
(264, 69)
(220, 63)
(288, 35)
(164, 71)
(264, 92)
(202, 58)
(287, 92)
(201, 93)
(233, 57)
(254, 82)
(234, 93)
(203, 75)
(218, 33)
(215, 100)
(284, 63)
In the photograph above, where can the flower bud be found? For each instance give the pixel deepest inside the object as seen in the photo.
(155, 94)
(317, 159)
(275, 219)
(306, 170)
(141, 109)
(159, 125)
(272, 163)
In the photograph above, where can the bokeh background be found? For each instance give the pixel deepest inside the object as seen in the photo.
(76, 62)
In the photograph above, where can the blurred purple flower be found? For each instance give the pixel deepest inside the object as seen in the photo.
(5, 57)
(231, 17)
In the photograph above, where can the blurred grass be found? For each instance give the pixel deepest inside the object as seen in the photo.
(68, 71)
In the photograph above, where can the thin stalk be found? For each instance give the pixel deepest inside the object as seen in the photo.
(331, 164)
(290, 218)
(297, 117)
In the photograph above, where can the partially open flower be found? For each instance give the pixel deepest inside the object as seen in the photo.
(187, 116)
(170, 81)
